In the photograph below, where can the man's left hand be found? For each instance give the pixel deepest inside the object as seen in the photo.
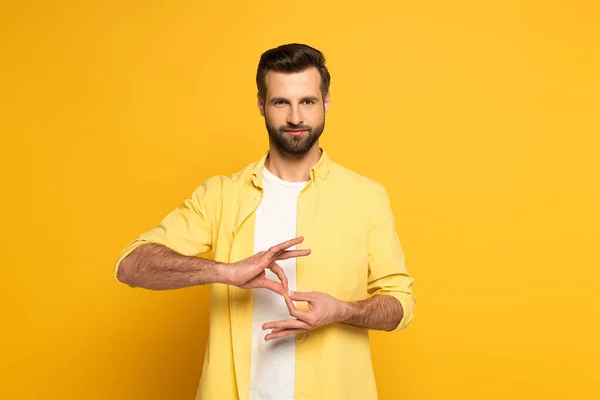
(323, 309)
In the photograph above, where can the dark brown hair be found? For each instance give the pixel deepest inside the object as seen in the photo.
(293, 57)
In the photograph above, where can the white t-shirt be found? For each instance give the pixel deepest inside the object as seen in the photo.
(272, 368)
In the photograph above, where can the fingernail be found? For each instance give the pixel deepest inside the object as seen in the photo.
(290, 293)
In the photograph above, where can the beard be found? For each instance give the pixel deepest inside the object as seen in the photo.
(289, 144)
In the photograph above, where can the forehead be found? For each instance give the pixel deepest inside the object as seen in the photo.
(295, 84)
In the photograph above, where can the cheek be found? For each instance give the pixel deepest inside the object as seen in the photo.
(276, 116)
(315, 116)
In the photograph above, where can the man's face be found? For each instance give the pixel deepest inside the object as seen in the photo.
(294, 109)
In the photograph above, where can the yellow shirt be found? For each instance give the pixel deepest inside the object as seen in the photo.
(346, 221)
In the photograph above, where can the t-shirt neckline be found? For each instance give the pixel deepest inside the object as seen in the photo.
(271, 177)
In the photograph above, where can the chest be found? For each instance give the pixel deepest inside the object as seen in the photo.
(334, 226)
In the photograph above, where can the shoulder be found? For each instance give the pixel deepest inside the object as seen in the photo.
(347, 177)
(218, 184)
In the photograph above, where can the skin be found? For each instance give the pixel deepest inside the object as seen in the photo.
(379, 312)
(156, 267)
(294, 101)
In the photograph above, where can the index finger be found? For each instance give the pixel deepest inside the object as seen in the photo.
(274, 250)
(277, 270)
(288, 302)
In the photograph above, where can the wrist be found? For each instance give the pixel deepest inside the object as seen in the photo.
(222, 274)
(347, 311)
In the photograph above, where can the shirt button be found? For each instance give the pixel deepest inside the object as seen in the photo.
(257, 198)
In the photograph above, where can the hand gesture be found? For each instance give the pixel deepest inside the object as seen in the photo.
(250, 272)
(323, 309)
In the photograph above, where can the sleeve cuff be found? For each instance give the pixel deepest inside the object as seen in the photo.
(408, 302)
(126, 251)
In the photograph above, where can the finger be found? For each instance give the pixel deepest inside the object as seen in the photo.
(277, 270)
(292, 253)
(274, 286)
(304, 316)
(286, 324)
(280, 334)
(284, 245)
(255, 282)
(288, 301)
(302, 296)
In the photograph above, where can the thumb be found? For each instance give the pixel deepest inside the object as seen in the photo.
(301, 296)
(273, 286)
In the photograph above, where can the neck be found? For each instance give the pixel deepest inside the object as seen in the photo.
(292, 167)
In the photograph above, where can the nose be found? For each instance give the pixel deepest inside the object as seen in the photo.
(294, 116)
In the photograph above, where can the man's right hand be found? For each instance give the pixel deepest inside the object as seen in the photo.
(250, 272)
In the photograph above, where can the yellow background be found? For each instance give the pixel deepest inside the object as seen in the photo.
(480, 118)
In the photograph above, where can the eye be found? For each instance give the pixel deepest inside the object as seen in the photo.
(279, 103)
(309, 102)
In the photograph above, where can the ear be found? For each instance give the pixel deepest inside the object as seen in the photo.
(327, 101)
(260, 105)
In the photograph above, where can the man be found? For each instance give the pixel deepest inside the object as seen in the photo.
(305, 251)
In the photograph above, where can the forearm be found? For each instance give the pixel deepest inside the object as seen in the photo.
(379, 312)
(153, 266)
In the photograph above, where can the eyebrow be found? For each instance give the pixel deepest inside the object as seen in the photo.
(276, 99)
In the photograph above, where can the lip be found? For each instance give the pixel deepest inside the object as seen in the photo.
(296, 132)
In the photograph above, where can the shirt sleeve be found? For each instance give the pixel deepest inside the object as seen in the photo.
(388, 274)
(188, 228)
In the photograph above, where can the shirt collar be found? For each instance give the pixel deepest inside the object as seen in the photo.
(318, 172)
